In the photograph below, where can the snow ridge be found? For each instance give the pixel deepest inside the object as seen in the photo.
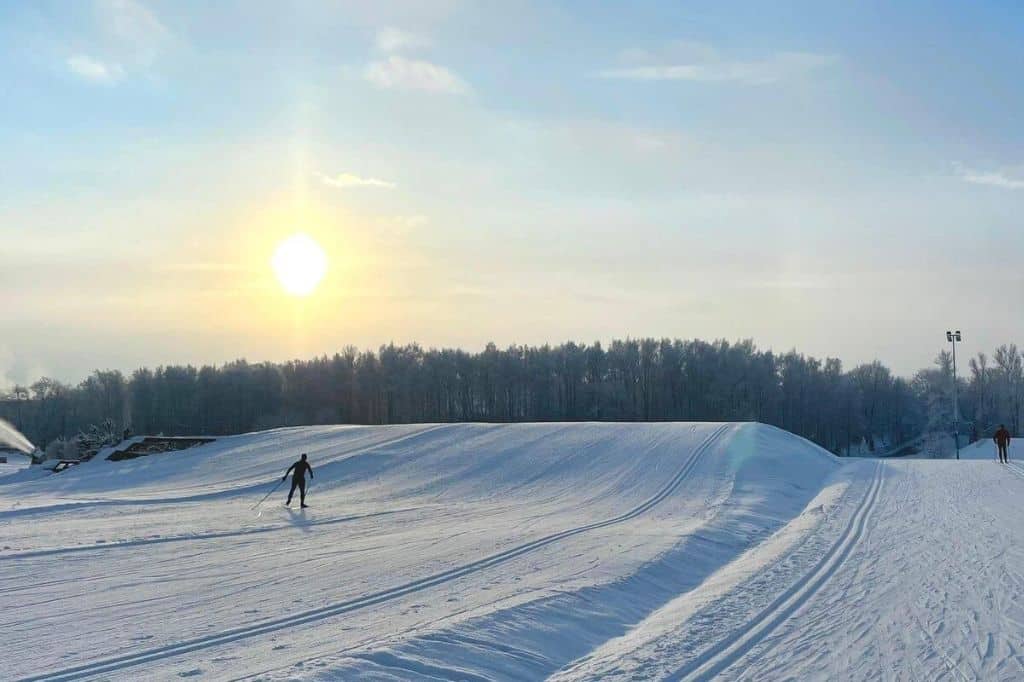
(731, 649)
(491, 552)
(147, 656)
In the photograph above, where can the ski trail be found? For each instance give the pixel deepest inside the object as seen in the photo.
(196, 537)
(729, 650)
(1015, 468)
(118, 663)
(202, 497)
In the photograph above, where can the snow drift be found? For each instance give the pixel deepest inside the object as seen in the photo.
(985, 449)
(465, 551)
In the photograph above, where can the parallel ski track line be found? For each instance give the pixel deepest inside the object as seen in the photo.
(118, 663)
(352, 451)
(1015, 468)
(197, 537)
(729, 650)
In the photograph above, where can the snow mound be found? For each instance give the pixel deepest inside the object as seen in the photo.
(986, 449)
(16, 461)
(475, 551)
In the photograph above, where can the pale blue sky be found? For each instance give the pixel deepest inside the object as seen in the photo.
(845, 178)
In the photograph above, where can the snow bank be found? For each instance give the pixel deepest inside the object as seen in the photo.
(465, 550)
(986, 449)
(16, 461)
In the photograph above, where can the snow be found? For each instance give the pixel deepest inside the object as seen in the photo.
(491, 552)
(16, 461)
(985, 449)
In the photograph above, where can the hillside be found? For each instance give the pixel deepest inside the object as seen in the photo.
(523, 551)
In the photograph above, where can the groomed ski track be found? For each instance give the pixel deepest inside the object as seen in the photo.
(500, 552)
(237, 491)
(122, 662)
(716, 659)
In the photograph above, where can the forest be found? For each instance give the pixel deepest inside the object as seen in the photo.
(846, 411)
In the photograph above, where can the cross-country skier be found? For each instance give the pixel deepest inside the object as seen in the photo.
(1002, 439)
(298, 480)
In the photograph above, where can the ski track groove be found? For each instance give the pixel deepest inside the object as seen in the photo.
(1015, 468)
(196, 537)
(202, 497)
(731, 649)
(118, 663)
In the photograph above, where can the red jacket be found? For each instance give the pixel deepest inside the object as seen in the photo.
(1002, 437)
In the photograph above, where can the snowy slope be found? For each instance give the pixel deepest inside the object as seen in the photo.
(525, 551)
(15, 463)
(985, 449)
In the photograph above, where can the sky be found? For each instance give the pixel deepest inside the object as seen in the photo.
(846, 179)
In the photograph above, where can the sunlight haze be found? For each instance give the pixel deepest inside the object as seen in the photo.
(529, 340)
(807, 176)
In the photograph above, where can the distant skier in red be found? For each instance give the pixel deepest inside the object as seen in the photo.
(1002, 439)
(298, 480)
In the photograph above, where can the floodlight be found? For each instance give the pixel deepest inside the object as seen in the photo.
(953, 338)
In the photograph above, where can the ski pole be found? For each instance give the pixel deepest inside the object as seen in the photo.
(255, 506)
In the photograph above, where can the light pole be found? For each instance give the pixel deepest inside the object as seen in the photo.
(953, 337)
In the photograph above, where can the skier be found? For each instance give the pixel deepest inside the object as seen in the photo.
(298, 480)
(1002, 439)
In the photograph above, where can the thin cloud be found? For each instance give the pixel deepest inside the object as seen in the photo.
(206, 267)
(134, 28)
(414, 221)
(990, 178)
(94, 70)
(390, 39)
(130, 36)
(399, 73)
(349, 180)
(409, 222)
(701, 63)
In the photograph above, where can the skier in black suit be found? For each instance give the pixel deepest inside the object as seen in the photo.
(298, 479)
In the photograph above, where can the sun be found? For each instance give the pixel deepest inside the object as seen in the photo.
(299, 264)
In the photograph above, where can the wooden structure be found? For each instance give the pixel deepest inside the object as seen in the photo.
(65, 464)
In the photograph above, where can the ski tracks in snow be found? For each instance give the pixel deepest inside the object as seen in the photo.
(934, 593)
(1015, 468)
(352, 450)
(712, 661)
(119, 663)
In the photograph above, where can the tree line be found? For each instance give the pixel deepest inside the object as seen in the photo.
(627, 380)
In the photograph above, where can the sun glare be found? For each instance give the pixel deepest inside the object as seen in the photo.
(299, 264)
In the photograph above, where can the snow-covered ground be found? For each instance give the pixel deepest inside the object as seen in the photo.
(985, 449)
(479, 552)
(16, 461)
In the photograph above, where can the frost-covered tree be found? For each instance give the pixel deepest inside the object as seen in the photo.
(55, 449)
(1009, 383)
(61, 448)
(627, 379)
(875, 384)
(934, 389)
(95, 437)
(980, 392)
